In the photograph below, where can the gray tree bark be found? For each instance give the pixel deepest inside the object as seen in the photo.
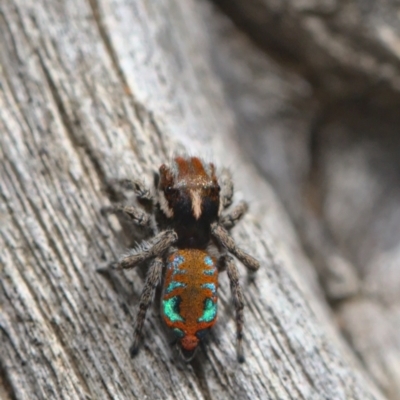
(326, 136)
(97, 90)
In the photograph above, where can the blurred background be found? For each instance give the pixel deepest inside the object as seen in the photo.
(315, 87)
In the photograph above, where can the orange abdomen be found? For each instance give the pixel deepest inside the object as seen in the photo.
(189, 304)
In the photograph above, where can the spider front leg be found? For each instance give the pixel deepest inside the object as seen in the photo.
(225, 240)
(226, 195)
(136, 215)
(142, 192)
(153, 278)
(154, 248)
(228, 221)
(228, 263)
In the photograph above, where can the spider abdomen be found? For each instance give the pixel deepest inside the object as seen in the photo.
(189, 304)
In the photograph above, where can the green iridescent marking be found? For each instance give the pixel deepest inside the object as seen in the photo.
(179, 332)
(171, 309)
(179, 272)
(173, 285)
(209, 271)
(208, 261)
(210, 286)
(210, 311)
(178, 260)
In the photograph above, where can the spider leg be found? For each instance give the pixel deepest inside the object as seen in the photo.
(136, 215)
(229, 220)
(226, 194)
(225, 240)
(153, 279)
(151, 249)
(138, 187)
(238, 300)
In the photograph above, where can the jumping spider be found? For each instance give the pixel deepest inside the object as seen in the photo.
(185, 215)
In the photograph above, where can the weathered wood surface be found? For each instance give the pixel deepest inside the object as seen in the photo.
(97, 90)
(330, 146)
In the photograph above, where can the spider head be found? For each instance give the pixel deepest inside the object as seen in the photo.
(189, 190)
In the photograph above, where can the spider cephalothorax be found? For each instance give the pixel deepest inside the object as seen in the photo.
(188, 200)
(187, 220)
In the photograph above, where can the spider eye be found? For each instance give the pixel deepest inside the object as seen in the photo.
(170, 190)
(214, 190)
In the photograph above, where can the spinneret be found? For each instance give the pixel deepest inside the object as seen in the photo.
(189, 245)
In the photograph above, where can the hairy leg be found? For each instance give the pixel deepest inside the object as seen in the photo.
(153, 279)
(226, 183)
(237, 294)
(226, 241)
(142, 192)
(154, 248)
(136, 215)
(229, 220)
